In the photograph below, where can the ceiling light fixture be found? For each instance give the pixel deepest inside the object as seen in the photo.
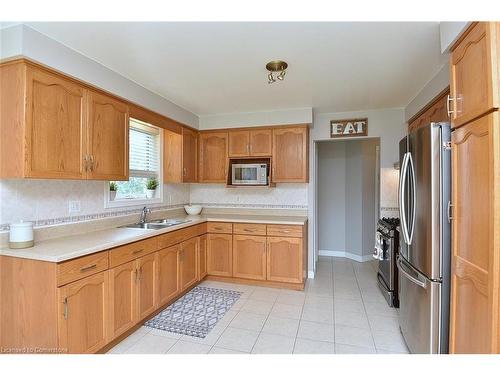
(275, 67)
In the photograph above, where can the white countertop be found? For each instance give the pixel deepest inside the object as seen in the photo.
(70, 247)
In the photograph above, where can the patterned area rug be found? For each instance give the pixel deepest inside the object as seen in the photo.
(196, 313)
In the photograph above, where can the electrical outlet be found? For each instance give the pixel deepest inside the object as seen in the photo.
(74, 207)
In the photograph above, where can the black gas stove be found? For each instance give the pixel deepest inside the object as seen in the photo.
(386, 250)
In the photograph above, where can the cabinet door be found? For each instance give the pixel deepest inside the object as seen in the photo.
(202, 257)
(172, 157)
(189, 155)
(249, 257)
(261, 142)
(474, 279)
(147, 270)
(122, 298)
(55, 126)
(108, 126)
(290, 155)
(239, 143)
(189, 250)
(473, 68)
(284, 259)
(168, 274)
(213, 157)
(220, 254)
(83, 314)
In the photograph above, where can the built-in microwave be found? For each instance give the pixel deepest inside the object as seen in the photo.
(249, 174)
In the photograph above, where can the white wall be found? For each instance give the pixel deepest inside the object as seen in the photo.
(262, 118)
(449, 33)
(21, 40)
(387, 124)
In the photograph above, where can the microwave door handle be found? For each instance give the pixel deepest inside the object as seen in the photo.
(414, 198)
(402, 204)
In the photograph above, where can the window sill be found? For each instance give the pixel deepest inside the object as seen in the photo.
(130, 202)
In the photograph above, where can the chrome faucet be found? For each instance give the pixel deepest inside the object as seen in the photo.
(144, 213)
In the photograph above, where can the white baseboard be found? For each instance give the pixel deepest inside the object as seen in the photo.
(345, 254)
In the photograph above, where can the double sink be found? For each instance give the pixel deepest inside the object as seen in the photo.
(156, 224)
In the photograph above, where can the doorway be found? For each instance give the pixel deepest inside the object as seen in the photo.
(347, 197)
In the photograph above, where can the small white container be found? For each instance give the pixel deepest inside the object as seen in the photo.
(21, 235)
(193, 209)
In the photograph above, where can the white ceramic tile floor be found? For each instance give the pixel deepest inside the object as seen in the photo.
(341, 311)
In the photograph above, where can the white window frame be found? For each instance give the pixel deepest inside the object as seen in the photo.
(140, 202)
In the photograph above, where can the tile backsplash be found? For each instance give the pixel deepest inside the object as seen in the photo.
(46, 202)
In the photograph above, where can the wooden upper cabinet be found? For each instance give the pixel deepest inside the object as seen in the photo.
(261, 141)
(239, 143)
(437, 112)
(243, 143)
(55, 126)
(213, 157)
(108, 127)
(189, 155)
(474, 87)
(290, 154)
(475, 245)
(172, 157)
(83, 315)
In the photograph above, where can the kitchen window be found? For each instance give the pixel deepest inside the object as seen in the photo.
(144, 169)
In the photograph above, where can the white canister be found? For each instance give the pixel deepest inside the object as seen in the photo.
(21, 235)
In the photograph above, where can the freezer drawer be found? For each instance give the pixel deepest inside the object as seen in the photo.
(420, 310)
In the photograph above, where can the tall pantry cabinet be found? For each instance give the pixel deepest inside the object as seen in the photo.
(474, 105)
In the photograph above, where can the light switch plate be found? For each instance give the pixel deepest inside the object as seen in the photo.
(74, 207)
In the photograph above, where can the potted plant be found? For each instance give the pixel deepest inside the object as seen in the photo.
(151, 186)
(112, 190)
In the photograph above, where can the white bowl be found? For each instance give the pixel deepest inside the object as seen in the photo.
(193, 210)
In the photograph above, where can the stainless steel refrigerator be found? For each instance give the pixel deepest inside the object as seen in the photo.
(424, 254)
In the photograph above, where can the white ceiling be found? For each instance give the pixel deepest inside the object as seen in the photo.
(214, 68)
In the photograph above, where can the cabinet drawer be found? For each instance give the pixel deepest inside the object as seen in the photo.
(126, 253)
(79, 268)
(178, 236)
(285, 230)
(215, 227)
(250, 229)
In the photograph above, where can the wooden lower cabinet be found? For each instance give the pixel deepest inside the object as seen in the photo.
(188, 266)
(83, 309)
(220, 254)
(168, 274)
(284, 259)
(147, 274)
(202, 257)
(249, 257)
(122, 298)
(475, 273)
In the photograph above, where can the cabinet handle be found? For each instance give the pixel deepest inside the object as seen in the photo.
(450, 215)
(65, 312)
(448, 107)
(137, 251)
(88, 268)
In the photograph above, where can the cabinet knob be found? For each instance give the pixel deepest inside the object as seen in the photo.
(65, 312)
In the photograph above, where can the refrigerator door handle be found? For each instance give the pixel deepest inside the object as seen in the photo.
(402, 205)
(414, 199)
(406, 272)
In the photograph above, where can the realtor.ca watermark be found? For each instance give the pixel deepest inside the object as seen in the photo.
(35, 350)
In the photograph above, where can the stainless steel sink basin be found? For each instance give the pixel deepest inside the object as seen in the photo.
(156, 224)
